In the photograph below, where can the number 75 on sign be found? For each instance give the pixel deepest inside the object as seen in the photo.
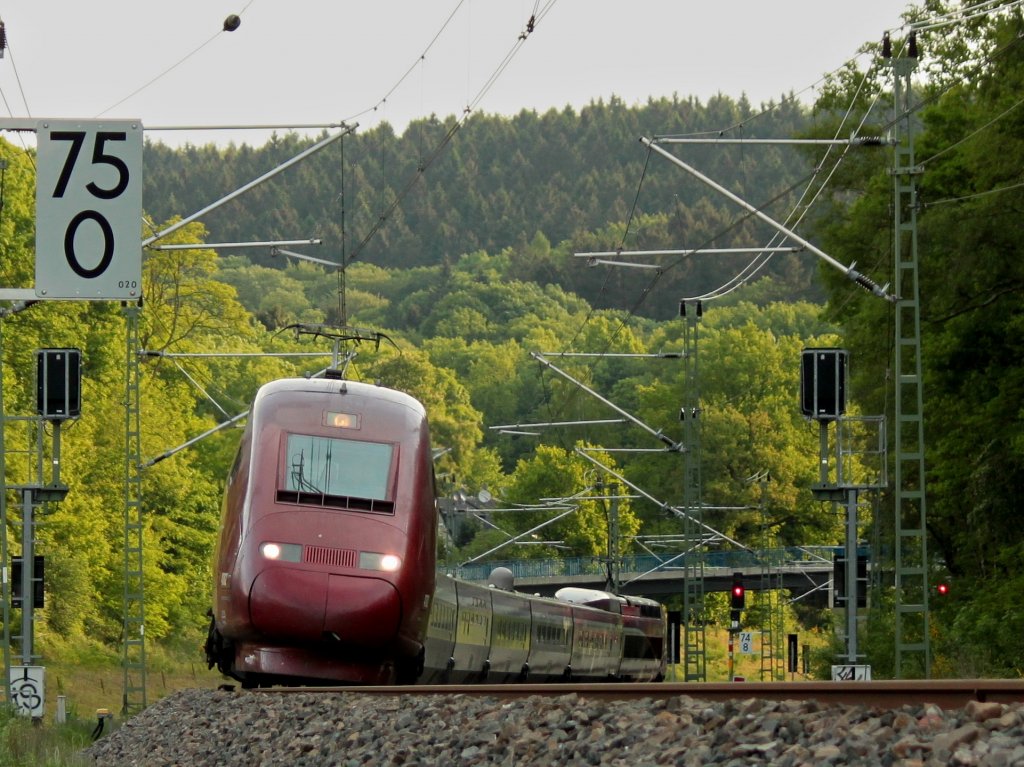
(89, 209)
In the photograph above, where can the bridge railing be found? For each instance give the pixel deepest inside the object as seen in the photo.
(739, 560)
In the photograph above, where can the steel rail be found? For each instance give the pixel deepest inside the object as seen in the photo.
(888, 694)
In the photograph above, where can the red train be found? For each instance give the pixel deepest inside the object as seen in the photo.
(325, 565)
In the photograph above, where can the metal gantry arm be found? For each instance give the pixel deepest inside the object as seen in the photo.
(254, 183)
(611, 257)
(863, 280)
(234, 245)
(677, 511)
(517, 538)
(514, 427)
(852, 141)
(657, 433)
(275, 246)
(598, 254)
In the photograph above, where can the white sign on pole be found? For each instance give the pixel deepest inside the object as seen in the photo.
(89, 209)
(747, 642)
(851, 673)
(27, 690)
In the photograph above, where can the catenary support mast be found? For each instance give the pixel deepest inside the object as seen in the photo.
(694, 644)
(133, 655)
(913, 655)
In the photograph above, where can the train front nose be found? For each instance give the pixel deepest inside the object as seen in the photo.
(308, 606)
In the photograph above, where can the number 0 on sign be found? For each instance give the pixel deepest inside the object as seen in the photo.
(89, 209)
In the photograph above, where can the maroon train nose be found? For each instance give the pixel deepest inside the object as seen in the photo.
(363, 611)
(307, 605)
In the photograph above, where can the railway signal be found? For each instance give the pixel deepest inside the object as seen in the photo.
(737, 601)
(738, 592)
(942, 588)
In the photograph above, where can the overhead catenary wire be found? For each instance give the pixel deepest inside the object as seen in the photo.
(454, 128)
(380, 103)
(973, 133)
(412, 67)
(800, 208)
(24, 98)
(21, 85)
(965, 198)
(552, 409)
(763, 258)
(227, 27)
(760, 261)
(968, 13)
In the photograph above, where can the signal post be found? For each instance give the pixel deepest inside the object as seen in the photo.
(823, 375)
(737, 601)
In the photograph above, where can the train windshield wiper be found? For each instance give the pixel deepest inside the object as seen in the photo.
(299, 477)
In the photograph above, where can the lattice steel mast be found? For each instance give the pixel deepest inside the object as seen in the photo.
(133, 655)
(913, 653)
(694, 639)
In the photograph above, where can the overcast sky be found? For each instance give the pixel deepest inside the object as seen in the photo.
(323, 61)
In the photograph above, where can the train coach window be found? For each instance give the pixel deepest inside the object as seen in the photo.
(339, 467)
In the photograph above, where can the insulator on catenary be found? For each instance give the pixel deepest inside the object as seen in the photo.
(3, 39)
(886, 46)
(232, 22)
(872, 287)
(868, 284)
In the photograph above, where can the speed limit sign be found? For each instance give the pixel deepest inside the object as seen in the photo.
(89, 209)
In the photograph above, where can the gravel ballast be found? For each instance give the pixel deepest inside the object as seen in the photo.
(243, 729)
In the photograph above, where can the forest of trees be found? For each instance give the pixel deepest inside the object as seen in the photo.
(475, 270)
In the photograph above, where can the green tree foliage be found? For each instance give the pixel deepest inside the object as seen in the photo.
(17, 216)
(553, 472)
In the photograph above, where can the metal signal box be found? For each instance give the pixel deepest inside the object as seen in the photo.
(59, 383)
(823, 383)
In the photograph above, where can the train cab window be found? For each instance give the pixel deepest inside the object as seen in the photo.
(235, 466)
(337, 472)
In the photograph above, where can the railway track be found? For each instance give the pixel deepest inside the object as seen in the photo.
(945, 693)
(610, 724)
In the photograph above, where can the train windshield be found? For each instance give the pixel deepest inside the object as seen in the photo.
(338, 467)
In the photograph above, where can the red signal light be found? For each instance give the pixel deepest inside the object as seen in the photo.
(942, 589)
(738, 593)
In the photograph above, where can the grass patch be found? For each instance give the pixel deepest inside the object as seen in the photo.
(89, 678)
(27, 744)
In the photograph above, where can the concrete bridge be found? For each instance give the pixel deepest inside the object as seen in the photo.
(806, 571)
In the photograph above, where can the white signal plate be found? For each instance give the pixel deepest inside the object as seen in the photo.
(89, 209)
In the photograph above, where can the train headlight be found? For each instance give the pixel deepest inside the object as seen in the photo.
(369, 560)
(282, 552)
(341, 420)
